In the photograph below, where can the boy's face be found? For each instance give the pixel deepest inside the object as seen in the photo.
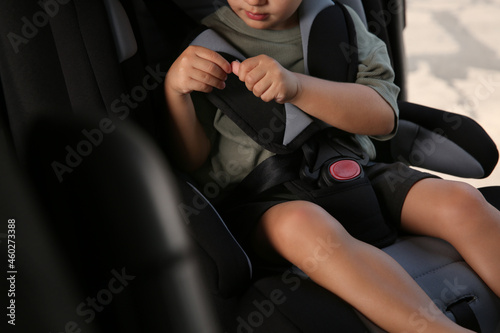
(267, 14)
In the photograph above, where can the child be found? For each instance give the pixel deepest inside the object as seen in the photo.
(359, 273)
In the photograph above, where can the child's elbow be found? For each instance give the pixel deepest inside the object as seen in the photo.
(390, 127)
(389, 123)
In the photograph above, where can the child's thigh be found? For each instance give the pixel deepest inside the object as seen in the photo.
(438, 207)
(299, 226)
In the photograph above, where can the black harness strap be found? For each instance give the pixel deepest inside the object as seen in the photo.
(464, 315)
(276, 170)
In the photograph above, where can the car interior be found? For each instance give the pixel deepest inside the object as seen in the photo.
(111, 237)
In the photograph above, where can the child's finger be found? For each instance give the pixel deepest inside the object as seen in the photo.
(206, 79)
(261, 88)
(215, 58)
(245, 68)
(209, 68)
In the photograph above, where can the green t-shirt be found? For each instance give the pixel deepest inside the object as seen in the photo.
(234, 155)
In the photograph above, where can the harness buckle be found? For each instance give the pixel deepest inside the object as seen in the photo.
(340, 170)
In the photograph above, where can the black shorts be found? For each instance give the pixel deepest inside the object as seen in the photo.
(391, 183)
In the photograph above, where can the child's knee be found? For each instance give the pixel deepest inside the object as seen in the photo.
(286, 219)
(295, 222)
(464, 203)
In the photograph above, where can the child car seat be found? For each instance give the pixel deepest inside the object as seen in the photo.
(418, 126)
(281, 301)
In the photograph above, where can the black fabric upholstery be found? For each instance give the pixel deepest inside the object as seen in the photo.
(152, 22)
(435, 139)
(481, 147)
(386, 19)
(46, 292)
(68, 66)
(227, 267)
(357, 5)
(338, 59)
(492, 194)
(27, 61)
(177, 21)
(117, 211)
(92, 80)
(276, 304)
(443, 274)
(57, 67)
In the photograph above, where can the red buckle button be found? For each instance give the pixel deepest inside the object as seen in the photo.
(345, 170)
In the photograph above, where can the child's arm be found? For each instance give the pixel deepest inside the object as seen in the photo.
(196, 69)
(351, 107)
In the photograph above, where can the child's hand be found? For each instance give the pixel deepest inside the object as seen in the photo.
(197, 69)
(267, 79)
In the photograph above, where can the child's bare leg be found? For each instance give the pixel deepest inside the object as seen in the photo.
(459, 214)
(364, 276)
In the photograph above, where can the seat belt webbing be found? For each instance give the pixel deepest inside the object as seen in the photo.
(275, 170)
(464, 315)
